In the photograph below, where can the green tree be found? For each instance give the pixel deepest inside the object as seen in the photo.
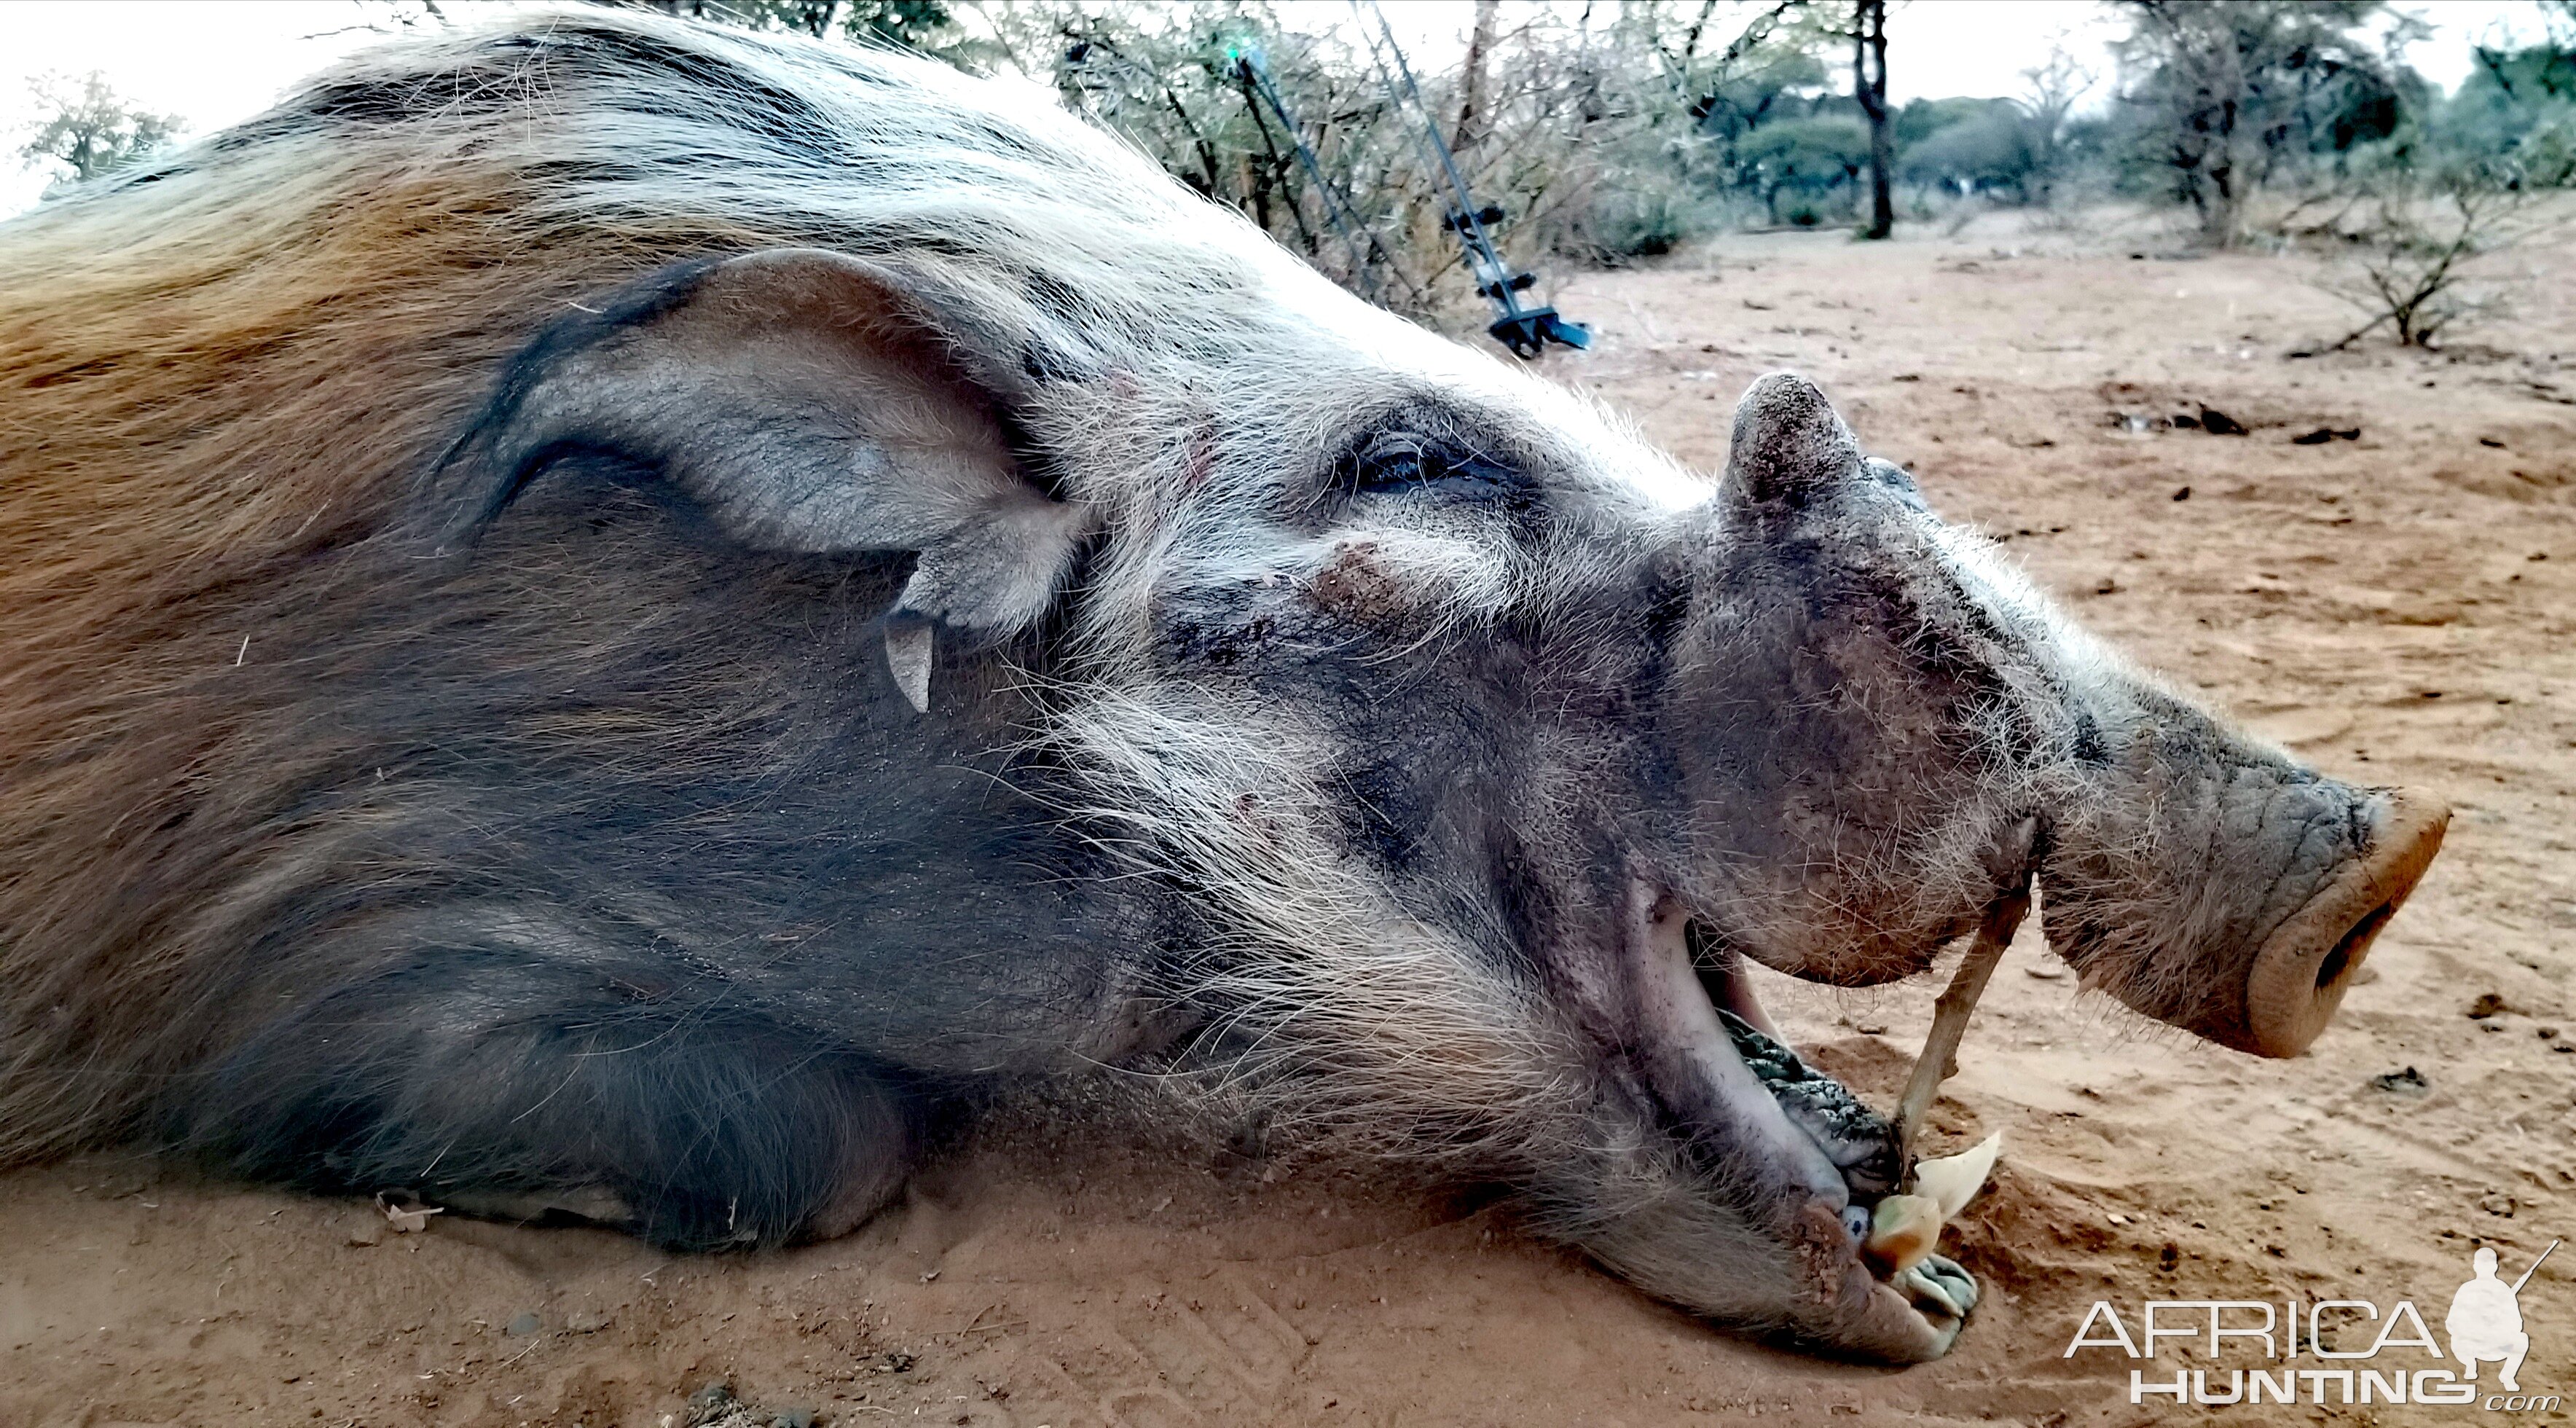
(2519, 105)
(2227, 91)
(1807, 162)
(84, 129)
(1991, 149)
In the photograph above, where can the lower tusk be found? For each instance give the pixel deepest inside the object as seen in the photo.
(1904, 1228)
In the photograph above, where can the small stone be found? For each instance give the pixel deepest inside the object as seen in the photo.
(2488, 1004)
(2184, 494)
(1871, 1028)
(366, 1230)
(2497, 1204)
(709, 1404)
(2047, 969)
(522, 1326)
(2408, 1082)
(793, 1418)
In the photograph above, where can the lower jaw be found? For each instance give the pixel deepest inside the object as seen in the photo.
(1688, 981)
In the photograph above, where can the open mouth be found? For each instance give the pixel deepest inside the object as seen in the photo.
(1861, 1142)
(1724, 1069)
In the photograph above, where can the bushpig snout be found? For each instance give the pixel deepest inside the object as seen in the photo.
(2242, 917)
(2301, 971)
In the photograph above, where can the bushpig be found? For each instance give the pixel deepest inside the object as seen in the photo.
(605, 616)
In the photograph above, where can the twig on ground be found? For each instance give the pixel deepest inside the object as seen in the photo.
(1951, 1012)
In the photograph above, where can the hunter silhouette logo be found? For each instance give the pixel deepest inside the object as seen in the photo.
(2485, 1322)
(2331, 1350)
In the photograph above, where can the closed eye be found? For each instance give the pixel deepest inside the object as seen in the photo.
(1409, 465)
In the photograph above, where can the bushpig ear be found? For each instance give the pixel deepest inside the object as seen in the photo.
(809, 402)
(1788, 443)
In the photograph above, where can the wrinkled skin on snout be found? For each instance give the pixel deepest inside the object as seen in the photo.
(760, 707)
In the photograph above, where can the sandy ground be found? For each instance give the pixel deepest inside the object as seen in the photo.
(2396, 607)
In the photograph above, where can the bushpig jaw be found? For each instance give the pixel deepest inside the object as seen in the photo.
(2299, 974)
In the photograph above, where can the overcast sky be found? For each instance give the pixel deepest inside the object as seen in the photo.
(214, 62)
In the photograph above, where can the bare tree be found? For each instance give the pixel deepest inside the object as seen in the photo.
(2415, 240)
(2053, 90)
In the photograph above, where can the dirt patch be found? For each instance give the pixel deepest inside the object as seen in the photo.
(2396, 607)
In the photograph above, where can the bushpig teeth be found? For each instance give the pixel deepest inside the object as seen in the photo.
(1768, 1060)
(1953, 1180)
(1860, 1141)
(1904, 1228)
(1902, 1231)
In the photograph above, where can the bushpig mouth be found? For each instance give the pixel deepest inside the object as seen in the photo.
(1717, 1062)
(2299, 975)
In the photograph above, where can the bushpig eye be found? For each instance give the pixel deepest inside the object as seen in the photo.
(1397, 465)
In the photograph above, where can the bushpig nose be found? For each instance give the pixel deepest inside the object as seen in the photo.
(2299, 976)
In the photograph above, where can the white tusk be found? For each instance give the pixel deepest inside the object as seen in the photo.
(1904, 1228)
(908, 642)
(1902, 1231)
(1953, 1180)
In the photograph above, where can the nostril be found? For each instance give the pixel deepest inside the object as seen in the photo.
(2340, 960)
(2300, 973)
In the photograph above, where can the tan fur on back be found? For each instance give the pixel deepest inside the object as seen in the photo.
(214, 371)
